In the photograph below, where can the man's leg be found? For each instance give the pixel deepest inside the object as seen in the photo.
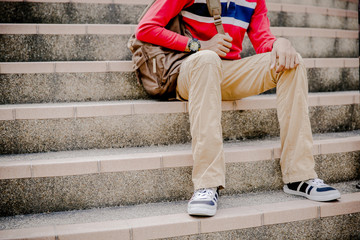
(251, 76)
(199, 83)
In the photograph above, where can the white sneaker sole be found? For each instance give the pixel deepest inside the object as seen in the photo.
(325, 198)
(201, 210)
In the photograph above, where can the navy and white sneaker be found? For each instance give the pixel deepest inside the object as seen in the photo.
(313, 189)
(203, 202)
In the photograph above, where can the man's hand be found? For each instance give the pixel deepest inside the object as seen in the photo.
(286, 54)
(220, 44)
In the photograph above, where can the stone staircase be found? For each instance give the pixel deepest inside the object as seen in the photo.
(86, 154)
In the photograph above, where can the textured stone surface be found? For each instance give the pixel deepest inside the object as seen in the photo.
(32, 48)
(332, 118)
(315, 47)
(337, 227)
(66, 13)
(253, 176)
(27, 136)
(290, 19)
(79, 87)
(77, 192)
(153, 209)
(339, 167)
(77, 13)
(34, 195)
(113, 47)
(324, 3)
(69, 87)
(333, 79)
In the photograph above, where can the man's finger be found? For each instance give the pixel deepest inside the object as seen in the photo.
(292, 61)
(287, 61)
(297, 61)
(224, 49)
(272, 59)
(281, 63)
(227, 44)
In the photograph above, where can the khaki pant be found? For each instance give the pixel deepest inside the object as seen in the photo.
(205, 80)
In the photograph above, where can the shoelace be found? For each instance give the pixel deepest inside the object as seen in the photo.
(203, 193)
(318, 182)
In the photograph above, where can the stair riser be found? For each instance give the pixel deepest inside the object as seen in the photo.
(324, 3)
(35, 195)
(77, 13)
(69, 87)
(81, 87)
(313, 20)
(336, 227)
(315, 47)
(22, 48)
(28, 136)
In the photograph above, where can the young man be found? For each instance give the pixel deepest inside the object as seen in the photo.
(216, 72)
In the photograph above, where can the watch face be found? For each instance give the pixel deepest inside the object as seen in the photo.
(194, 46)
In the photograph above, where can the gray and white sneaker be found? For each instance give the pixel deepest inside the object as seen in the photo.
(313, 189)
(203, 202)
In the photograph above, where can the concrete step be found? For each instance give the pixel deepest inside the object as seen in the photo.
(70, 126)
(264, 215)
(37, 82)
(86, 12)
(342, 4)
(49, 182)
(97, 42)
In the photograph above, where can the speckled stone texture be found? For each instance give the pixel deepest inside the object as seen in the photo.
(79, 87)
(324, 3)
(113, 47)
(345, 227)
(69, 87)
(333, 79)
(70, 13)
(32, 48)
(287, 19)
(77, 13)
(28, 136)
(315, 47)
(339, 167)
(35, 195)
(332, 118)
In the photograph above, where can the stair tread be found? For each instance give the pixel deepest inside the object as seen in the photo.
(154, 157)
(156, 214)
(127, 29)
(126, 66)
(131, 107)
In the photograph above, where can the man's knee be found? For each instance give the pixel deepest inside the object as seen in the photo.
(205, 57)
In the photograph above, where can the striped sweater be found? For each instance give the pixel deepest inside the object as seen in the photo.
(238, 16)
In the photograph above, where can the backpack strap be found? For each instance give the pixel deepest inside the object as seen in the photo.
(214, 7)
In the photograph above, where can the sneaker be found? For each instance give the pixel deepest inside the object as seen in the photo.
(203, 202)
(314, 189)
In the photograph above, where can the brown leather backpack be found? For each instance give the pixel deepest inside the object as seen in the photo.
(156, 67)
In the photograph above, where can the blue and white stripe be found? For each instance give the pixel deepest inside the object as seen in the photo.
(234, 12)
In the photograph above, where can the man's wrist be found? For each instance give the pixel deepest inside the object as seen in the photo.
(187, 49)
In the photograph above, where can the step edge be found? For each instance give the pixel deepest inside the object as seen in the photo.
(271, 6)
(11, 112)
(157, 160)
(127, 29)
(182, 224)
(126, 66)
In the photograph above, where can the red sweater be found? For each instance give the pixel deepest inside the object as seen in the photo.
(238, 17)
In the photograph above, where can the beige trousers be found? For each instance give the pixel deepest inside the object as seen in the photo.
(205, 80)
